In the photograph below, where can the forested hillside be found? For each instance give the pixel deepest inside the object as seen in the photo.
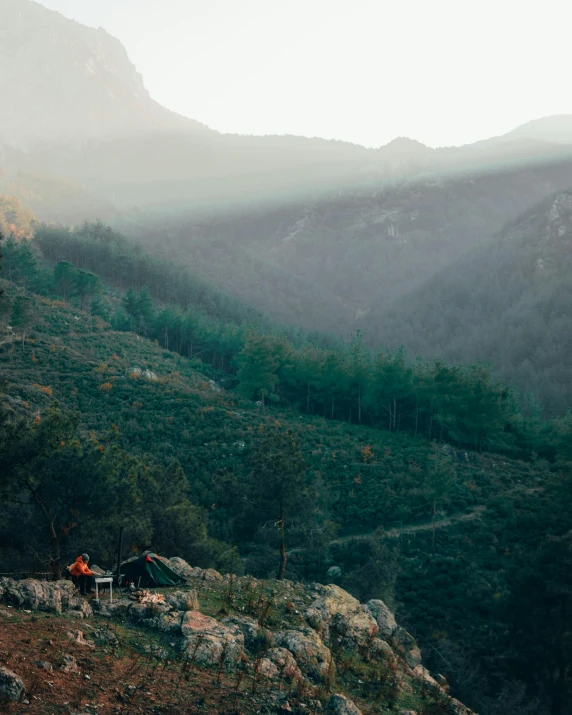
(509, 303)
(183, 459)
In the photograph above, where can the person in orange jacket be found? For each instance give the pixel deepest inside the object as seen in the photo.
(82, 575)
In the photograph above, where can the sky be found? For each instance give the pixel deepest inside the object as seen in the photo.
(444, 72)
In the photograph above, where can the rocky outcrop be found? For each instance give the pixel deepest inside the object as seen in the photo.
(51, 596)
(338, 615)
(312, 656)
(186, 571)
(183, 600)
(11, 686)
(340, 705)
(284, 663)
(159, 617)
(255, 637)
(405, 645)
(210, 642)
(383, 617)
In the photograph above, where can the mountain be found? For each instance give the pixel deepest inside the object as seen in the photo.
(507, 302)
(167, 447)
(62, 81)
(100, 129)
(555, 129)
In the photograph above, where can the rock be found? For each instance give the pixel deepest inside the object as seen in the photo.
(183, 600)
(267, 668)
(97, 570)
(182, 568)
(284, 661)
(340, 705)
(159, 617)
(69, 664)
(211, 575)
(254, 636)
(381, 649)
(334, 572)
(312, 656)
(383, 616)
(208, 641)
(404, 644)
(79, 638)
(408, 712)
(51, 596)
(76, 614)
(422, 673)
(103, 636)
(11, 686)
(43, 665)
(337, 614)
(116, 609)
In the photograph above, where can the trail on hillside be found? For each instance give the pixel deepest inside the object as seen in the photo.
(426, 526)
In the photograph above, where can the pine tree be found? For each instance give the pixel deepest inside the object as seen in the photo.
(131, 304)
(257, 375)
(22, 314)
(278, 491)
(86, 284)
(65, 278)
(145, 309)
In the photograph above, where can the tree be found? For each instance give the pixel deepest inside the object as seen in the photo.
(65, 278)
(86, 284)
(131, 305)
(24, 263)
(440, 479)
(145, 309)
(22, 314)
(5, 308)
(257, 375)
(278, 491)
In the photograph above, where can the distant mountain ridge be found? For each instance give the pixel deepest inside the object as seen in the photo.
(76, 108)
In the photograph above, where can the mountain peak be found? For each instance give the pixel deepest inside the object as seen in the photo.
(81, 77)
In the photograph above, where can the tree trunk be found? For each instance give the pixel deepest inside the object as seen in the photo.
(283, 558)
(434, 519)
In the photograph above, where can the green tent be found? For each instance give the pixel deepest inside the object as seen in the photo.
(148, 570)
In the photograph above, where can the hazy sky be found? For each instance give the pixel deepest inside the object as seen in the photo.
(440, 71)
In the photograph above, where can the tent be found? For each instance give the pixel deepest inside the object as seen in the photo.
(149, 570)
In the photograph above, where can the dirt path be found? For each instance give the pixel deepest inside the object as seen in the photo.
(397, 532)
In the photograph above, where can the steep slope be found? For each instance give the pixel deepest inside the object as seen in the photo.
(358, 249)
(81, 78)
(509, 303)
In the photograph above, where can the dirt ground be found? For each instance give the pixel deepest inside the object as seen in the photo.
(124, 672)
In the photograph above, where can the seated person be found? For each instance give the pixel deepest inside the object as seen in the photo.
(82, 575)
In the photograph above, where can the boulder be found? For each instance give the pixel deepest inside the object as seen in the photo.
(159, 617)
(421, 673)
(383, 616)
(51, 596)
(79, 638)
(340, 705)
(183, 600)
(182, 568)
(404, 644)
(69, 664)
(254, 636)
(285, 664)
(44, 665)
(116, 609)
(381, 650)
(311, 655)
(208, 641)
(11, 686)
(337, 614)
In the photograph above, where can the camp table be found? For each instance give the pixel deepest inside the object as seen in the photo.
(104, 579)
